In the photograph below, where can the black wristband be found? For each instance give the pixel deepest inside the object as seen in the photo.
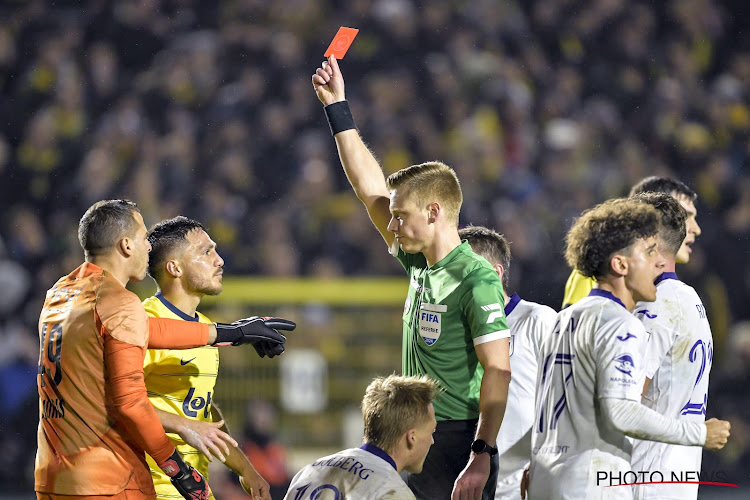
(339, 117)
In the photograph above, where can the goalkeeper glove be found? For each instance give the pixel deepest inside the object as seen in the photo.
(261, 332)
(188, 481)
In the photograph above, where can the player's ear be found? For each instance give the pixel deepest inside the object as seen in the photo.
(173, 268)
(125, 246)
(499, 270)
(433, 210)
(411, 438)
(619, 264)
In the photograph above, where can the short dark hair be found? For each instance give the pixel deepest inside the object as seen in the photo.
(666, 185)
(610, 227)
(673, 217)
(104, 224)
(489, 244)
(166, 237)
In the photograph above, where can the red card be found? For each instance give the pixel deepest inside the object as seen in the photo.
(341, 42)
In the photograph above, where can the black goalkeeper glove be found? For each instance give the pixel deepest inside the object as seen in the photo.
(186, 480)
(261, 332)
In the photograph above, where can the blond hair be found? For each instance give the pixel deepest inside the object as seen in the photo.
(429, 182)
(394, 404)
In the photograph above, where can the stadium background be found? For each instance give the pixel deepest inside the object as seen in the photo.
(206, 109)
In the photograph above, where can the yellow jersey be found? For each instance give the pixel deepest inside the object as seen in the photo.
(577, 287)
(180, 382)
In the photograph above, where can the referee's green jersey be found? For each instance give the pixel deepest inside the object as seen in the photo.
(451, 307)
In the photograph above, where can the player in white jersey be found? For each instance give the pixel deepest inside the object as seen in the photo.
(677, 363)
(590, 377)
(399, 421)
(528, 323)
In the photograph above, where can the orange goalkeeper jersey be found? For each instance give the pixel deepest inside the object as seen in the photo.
(95, 419)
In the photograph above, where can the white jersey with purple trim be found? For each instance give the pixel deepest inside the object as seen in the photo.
(365, 473)
(678, 360)
(593, 352)
(528, 323)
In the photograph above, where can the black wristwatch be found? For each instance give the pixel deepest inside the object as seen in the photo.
(481, 446)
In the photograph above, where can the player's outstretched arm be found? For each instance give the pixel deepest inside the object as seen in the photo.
(262, 333)
(167, 333)
(252, 482)
(361, 167)
(636, 420)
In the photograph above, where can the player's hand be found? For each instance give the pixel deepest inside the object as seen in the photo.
(186, 480)
(208, 438)
(261, 332)
(254, 485)
(269, 348)
(328, 82)
(524, 483)
(473, 478)
(717, 433)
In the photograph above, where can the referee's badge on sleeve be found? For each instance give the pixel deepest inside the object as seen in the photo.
(430, 322)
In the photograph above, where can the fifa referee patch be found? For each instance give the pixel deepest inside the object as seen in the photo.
(430, 322)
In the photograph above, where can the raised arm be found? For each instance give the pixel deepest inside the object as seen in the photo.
(361, 167)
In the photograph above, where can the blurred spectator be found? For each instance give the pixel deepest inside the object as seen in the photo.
(261, 447)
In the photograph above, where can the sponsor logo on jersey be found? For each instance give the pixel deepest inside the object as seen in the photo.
(495, 310)
(623, 338)
(183, 363)
(192, 404)
(624, 363)
(407, 304)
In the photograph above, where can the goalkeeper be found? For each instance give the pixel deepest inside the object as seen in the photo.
(186, 266)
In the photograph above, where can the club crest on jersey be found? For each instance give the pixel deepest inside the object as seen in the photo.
(624, 363)
(430, 321)
(407, 304)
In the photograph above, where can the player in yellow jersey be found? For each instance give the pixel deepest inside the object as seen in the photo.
(579, 286)
(186, 266)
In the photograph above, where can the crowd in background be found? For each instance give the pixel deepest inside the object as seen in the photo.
(202, 108)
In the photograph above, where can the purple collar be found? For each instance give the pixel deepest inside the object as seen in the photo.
(512, 303)
(174, 308)
(598, 292)
(666, 276)
(379, 453)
